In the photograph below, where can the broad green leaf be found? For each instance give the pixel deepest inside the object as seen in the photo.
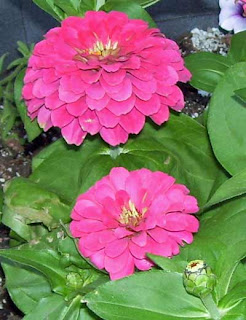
(60, 174)
(25, 286)
(27, 203)
(180, 148)
(71, 8)
(233, 187)
(154, 295)
(241, 93)
(50, 7)
(7, 118)
(226, 266)
(226, 121)
(59, 145)
(237, 51)
(45, 261)
(207, 69)
(31, 127)
(133, 10)
(167, 264)
(237, 294)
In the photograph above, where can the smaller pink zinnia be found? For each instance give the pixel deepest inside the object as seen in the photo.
(128, 214)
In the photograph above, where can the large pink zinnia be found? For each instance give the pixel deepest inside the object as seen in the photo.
(128, 214)
(103, 73)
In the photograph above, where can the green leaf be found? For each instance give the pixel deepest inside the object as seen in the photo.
(180, 148)
(241, 94)
(7, 118)
(70, 7)
(147, 3)
(60, 174)
(154, 295)
(31, 127)
(167, 264)
(236, 295)
(133, 10)
(27, 203)
(207, 69)
(237, 51)
(226, 121)
(226, 266)
(25, 286)
(23, 49)
(234, 187)
(50, 7)
(45, 261)
(2, 58)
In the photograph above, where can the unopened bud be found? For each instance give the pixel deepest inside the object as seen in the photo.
(199, 279)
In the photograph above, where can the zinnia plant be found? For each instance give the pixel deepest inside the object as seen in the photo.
(92, 213)
(103, 73)
(128, 214)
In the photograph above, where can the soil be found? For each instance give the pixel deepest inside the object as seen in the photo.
(15, 159)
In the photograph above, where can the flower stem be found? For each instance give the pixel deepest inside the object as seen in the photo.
(211, 307)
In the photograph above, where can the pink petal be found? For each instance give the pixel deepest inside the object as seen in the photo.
(180, 236)
(49, 75)
(137, 251)
(140, 239)
(126, 271)
(114, 78)
(107, 118)
(121, 107)
(118, 177)
(95, 91)
(179, 222)
(117, 264)
(53, 101)
(98, 259)
(142, 95)
(89, 122)
(88, 225)
(27, 91)
(158, 234)
(143, 264)
(161, 249)
(77, 108)
(91, 241)
(149, 107)
(190, 205)
(73, 133)
(34, 104)
(114, 136)
(90, 76)
(162, 115)
(44, 119)
(149, 86)
(116, 248)
(100, 104)
(124, 93)
(122, 232)
(68, 96)
(60, 117)
(132, 122)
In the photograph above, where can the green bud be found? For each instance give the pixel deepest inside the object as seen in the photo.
(199, 279)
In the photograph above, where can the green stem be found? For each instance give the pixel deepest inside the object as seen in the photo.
(211, 307)
(99, 4)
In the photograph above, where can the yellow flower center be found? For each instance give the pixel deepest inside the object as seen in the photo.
(130, 215)
(104, 50)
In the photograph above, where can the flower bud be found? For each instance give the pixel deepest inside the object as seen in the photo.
(199, 279)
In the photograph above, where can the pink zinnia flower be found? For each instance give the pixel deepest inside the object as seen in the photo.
(128, 214)
(233, 15)
(103, 73)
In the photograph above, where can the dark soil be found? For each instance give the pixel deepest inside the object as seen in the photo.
(15, 161)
